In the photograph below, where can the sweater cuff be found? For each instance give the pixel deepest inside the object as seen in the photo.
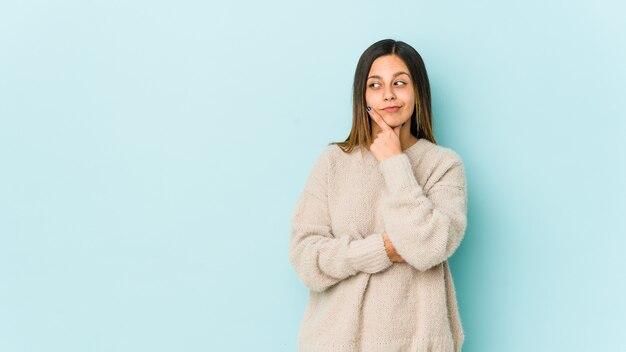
(397, 172)
(369, 254)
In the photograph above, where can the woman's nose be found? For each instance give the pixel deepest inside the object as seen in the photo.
(388, 94)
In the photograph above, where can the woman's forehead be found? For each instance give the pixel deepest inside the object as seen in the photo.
(388, 66)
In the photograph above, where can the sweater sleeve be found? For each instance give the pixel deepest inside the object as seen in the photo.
(320, 258)
(425, 229)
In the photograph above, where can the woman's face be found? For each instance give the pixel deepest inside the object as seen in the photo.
(389, 85)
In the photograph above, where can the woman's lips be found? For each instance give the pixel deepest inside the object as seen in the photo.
(392, 109)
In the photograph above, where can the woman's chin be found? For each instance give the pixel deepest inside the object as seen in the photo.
(394, 124)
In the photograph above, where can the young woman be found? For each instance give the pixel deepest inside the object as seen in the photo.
(379, 217)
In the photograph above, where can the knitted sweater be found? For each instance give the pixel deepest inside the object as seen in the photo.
(358, 299)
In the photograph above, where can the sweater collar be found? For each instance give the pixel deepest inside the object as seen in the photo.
(415, 152)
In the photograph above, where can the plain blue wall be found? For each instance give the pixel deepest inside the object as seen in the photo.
(152, 153)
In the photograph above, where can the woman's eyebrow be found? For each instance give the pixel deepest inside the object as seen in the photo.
(394, 75)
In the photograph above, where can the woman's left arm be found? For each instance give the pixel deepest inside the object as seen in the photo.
(425, 229)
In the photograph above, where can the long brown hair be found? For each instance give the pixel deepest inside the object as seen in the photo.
(421, 119)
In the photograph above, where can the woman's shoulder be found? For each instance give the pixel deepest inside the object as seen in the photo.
(334, 152)
(434, 160)
(441, 154)
(328, 156)
(332, 158)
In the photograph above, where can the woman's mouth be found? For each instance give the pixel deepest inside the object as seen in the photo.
(392, 109)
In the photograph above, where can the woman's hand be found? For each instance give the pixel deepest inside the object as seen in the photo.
(391, 251)
(387, 142)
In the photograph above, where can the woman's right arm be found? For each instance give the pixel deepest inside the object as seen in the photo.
(319, 258)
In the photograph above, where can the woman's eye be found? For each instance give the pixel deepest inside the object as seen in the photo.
(375, 85)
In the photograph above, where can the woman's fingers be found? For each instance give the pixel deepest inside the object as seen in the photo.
(385, 127)
(391, 250)
(397, 129)
(379, 120)
(387, 141)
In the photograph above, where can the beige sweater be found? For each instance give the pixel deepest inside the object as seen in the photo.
(358, 299)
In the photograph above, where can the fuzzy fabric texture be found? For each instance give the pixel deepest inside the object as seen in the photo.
(358, 299)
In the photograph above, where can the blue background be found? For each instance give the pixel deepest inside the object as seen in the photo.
(152, 153)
